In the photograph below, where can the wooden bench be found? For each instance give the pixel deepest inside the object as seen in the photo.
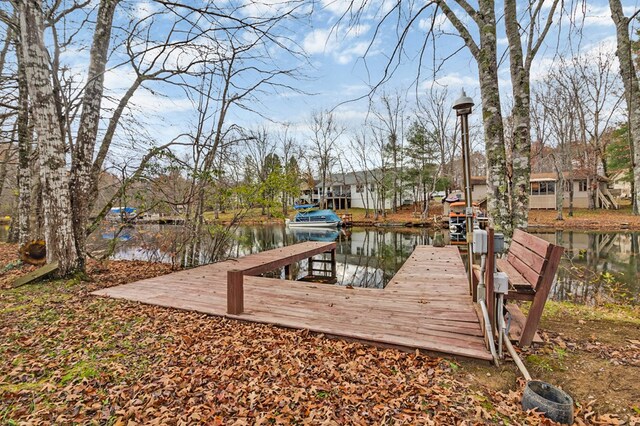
(530, 264)
(265, 261)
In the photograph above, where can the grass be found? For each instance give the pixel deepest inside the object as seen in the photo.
(606, 312)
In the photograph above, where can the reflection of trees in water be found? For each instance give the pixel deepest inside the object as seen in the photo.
(597, 267)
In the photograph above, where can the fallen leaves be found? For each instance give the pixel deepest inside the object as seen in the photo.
(68, 357)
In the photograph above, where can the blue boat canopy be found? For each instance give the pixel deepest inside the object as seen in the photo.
(118, 210)
(305, 206)
(317, 216)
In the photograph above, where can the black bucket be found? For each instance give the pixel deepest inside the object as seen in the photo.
(556, 404)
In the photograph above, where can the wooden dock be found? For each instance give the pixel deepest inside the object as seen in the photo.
(425, 306)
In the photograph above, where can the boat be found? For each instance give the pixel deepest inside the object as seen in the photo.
(458, 221)
(315, 219)
(124, 214)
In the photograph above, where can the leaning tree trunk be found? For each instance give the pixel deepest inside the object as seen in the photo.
(82, 157)
(59, 233)
(629, 76)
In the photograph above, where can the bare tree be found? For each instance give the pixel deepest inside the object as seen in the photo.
(390, 120)
(360, 164)
(554, 127)
(67, 116)
(325, 132)
(438, 118)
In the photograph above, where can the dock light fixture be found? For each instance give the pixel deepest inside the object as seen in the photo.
(463, 106)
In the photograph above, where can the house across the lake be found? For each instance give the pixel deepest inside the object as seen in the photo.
(354, 189)
(545, 185)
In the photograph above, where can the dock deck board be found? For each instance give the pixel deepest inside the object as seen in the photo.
(425, 306)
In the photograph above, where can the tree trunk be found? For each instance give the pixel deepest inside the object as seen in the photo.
(82, 156)
(497, 184)
(571, 197)
(24, 156)
(58, 227)
(629, 76)
(559, 196)
(521, 148)
(498, 199)
(6, 158)
(592, 193)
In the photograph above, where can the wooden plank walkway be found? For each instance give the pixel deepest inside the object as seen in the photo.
(425, 306)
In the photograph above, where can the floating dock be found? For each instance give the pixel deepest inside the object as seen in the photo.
(425, 306)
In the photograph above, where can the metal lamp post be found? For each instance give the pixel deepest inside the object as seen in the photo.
(463, 106)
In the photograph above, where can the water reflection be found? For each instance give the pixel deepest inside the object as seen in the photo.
(597, 266)
(365, 257)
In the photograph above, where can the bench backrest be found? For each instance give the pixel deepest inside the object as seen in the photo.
(533, 257)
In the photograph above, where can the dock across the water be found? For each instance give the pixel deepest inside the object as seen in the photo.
(426, 305)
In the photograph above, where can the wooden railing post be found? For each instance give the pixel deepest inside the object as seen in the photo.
(334, 269)
(287, 272)
(310, 267)
(235, 292)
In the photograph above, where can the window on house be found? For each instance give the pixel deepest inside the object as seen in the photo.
(543, 188)
(359, 188)
(582, 186)
(551, 187)
(535, 188)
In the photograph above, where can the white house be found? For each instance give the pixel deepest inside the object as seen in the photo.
(544, 187)
(354, 189)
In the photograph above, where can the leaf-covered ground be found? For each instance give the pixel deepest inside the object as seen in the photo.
(596, 220)
(68, 357)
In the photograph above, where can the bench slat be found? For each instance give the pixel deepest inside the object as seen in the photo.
(535, 244)
(515, 278)
(533, 260)
(532, 277)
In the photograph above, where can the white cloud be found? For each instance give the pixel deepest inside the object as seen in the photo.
(340, 7)
(144, 9)
(154, 103)
(342, 45)
(357, 50)
(317, 41)
(265, 8)
(119, 79)
(452, 80)
(593, 15)
(440, 24)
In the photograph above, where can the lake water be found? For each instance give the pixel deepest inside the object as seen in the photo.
(596, 267)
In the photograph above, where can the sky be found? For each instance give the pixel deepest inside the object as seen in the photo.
(345, 57)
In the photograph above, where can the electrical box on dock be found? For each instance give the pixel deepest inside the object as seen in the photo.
(500, 283)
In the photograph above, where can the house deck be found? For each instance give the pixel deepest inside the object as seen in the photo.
(425, 306)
